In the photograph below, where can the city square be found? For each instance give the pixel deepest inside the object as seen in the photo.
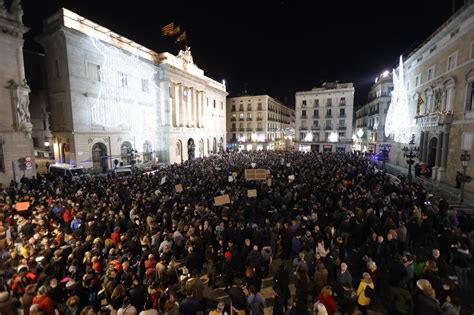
(142, 175)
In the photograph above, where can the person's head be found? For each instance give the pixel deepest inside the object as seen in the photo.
(371, 265)
(423, 284)
(255, 247)
(380, 238)
(436, 253)
(366, 277)
(247, 242)
(220, 307)
(343, 267)
(326, 291)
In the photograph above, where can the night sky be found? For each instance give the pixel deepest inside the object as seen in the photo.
(270, 47)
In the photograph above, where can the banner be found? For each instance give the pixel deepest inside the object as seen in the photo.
(221, 200)
(252, 193)
(22, 206)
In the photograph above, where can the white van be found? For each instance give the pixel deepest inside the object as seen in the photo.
(67, 171)
(123, 170)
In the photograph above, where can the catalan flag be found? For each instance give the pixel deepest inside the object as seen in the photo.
(168, 29)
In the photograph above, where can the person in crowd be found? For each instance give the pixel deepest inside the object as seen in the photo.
(363, 295)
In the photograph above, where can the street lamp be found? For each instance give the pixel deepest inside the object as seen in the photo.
(410, 153)
(385, 150)
(465, 158)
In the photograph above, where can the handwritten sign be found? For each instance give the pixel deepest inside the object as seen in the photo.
(252, 193)
(221, 200)
(178, 188)
(22, 206)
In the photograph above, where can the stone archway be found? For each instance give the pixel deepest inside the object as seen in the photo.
(432, 151)
(191, 149)
(99, 157)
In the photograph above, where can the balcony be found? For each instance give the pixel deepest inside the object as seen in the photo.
(259, 129)
(233, 119)
(341, 127)
(241, 119)
(303, 128)
(328, 127)
(249, 108)
(316, 116)
(259, 108)
(241, 108)
(259, 118)
(328, 115)
(342, 103)
(342, 115)
(315, 127)
(233, 129)
(233, 108)
(434, 119)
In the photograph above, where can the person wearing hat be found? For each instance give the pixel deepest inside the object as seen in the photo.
(362, 299)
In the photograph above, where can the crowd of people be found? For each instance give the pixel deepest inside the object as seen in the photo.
(346, 234)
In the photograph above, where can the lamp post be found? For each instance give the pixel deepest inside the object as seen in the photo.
(385, 150)
(410, 153)
(465, 158)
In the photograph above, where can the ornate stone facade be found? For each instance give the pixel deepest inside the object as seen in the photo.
(15, 120)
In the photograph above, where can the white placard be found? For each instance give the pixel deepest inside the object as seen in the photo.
(163, 180)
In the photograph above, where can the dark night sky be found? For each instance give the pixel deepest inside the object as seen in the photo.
(273, 47)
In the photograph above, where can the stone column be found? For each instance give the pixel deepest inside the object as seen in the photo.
(438, 149)
(427, 149)
(444, 155)
(203, 117)
(422, 143)
(179, 98)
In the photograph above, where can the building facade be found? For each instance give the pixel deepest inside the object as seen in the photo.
(439, 78)
(115, 101)
(259, 123)
(16, 144)
(370, 118)
(324, 118)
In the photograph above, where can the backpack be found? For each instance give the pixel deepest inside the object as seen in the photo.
(369, 292)
(256, 308)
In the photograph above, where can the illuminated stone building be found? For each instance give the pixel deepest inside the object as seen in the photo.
(259, 122)
(324, 118)
(370, 118)
(16, 145)
(111, 98)
(439, 82)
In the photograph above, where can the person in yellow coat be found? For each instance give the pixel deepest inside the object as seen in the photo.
(362, 299)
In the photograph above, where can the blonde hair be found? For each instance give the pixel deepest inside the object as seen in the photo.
(326, 291)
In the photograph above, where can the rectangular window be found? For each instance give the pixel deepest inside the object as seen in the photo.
(470, 104)
(303, 113)
(259, 125)
(241, 116)
(328, 113)
(302, 136)
(329, 102)
(145, 87)
(341, 135)
(249, 126)
(241, 126)
(222, 105)
(342, 123)
(303, 103)
(303, 124)
(342, 112)
(259, 106)
(214, 103)
(431, 73)
(328, 123)
(123, 80)
(316, 102)
(315, 123)
(2, 162)
(249, 116)
(452, 61)
(418, 80)
(56, 68)
(259, 115)
(93, 71)
(316, 113)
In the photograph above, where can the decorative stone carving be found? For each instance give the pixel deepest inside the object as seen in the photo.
(16, 11)
(90, 140)
(438, 99)
(21, 100)
(185, 55)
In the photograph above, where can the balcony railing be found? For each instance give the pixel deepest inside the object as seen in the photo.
(233, 129)
(233, 119)
(241, 119)
(328, 115)
(315, 127)
(241, 108)
(342, 115)
(342, 103)
(329, 127)
(259, 118)
(233, 108)
(342, 127)
(259, 129)
(303, 128)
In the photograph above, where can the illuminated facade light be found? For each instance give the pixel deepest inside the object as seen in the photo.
(309, 136)
(360, 133)
(333, 137)
(385, 73)
(398, 120)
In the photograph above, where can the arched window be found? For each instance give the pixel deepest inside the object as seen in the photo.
(179, 148)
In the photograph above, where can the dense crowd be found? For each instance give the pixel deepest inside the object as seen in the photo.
(346, 234)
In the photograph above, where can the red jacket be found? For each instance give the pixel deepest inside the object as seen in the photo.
(45, 304)
(329, 303)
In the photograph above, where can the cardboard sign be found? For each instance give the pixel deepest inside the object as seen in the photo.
(291, 177)
(221, 200)
(22, 206)
(252, 193)
(255, 174)
(178, 188)
(269, 182)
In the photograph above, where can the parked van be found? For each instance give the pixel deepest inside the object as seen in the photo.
(123, 170)
(67, 171)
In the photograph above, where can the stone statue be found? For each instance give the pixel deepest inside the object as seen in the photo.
(438, 100)
(185, 55)
(16, 10)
